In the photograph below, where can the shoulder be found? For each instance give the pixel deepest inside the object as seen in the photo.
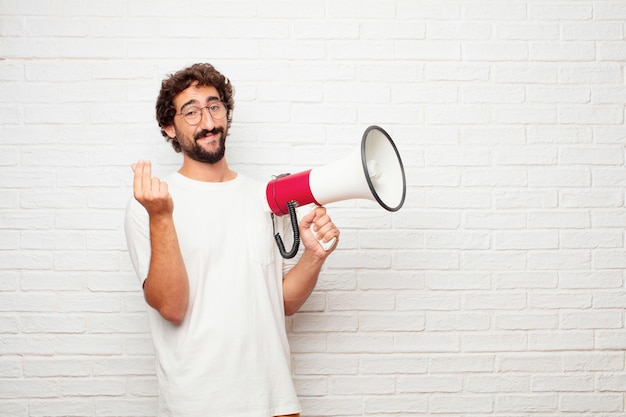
(249, 182)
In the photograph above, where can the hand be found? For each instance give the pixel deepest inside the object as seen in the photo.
(317, 226)
(151, 192)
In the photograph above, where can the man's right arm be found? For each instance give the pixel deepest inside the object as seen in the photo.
(166, 287)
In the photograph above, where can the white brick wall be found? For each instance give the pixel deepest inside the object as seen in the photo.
(498, 290)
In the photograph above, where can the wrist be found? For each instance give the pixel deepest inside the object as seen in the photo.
(161, 219)
(314, 257)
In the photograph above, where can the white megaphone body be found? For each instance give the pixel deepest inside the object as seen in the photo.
(373, 171)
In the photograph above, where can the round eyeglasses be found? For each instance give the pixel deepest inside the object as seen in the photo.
(193, 115)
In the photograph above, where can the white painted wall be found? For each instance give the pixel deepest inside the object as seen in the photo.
(498, 289)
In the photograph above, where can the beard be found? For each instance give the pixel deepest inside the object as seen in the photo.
(195, 151)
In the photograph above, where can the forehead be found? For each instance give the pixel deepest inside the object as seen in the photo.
(195, 94)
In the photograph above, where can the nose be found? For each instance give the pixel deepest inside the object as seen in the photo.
(207, 121)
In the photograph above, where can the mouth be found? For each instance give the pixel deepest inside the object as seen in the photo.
(206, 139)
(207, 136)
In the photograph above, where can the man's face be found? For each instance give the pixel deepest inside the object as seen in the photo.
(205, 141)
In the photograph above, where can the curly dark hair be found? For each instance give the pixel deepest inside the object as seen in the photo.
(204, 75)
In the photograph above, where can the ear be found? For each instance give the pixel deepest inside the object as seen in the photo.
(170, 131)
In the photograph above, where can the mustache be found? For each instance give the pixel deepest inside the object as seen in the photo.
(205, 132)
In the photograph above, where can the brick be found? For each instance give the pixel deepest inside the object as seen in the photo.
(560, 11)
(123, 366)
(560, 301)
(525, 279)
(527, 31)
(330, 406)
(52, 324)
(593, 361)
(395, 404)
(403, 322)
(363, 385)
(498, 383)
(14, 407)
(317, 322)
(125, 407)
(500, 302)
(10, 367)
(451, 30)
(518, 240)
(562, 51)
(79, 387)
(561, 260)
(8, 280)
(366, 343)
(440, 321)
(527, 403)
(604, 31)
(46, 367)
(460, 403)
(429, 384)
(29, 388)
(353, 8)
(374, 301)
(451, 281)
(495, 51)
(408, 302)
(592, 403)
(494, 342)
(612, 382)
(429, 9)
(561, 340)
(562, 383)
(526, 321)
(601, 279)
(529, 362)
(323, 364)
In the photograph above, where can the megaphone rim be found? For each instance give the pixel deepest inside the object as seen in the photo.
(365, 169)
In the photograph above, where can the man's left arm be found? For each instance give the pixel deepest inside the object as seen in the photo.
(300, 281)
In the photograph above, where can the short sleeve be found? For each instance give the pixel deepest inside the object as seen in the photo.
(137, 228)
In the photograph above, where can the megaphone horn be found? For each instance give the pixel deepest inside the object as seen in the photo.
(374, 171)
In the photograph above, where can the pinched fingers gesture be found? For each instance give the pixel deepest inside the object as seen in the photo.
(150, 191)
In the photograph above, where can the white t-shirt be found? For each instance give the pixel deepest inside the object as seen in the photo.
(230, 356)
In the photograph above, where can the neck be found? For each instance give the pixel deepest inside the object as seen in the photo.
(202, 171)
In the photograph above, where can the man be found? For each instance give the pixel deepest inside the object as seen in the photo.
(202, 245)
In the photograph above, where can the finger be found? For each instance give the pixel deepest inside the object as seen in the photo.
(137, 178)
(163, 189)
(307, 220)
(146, 177)
(328, 232)
(318, 214)
(321, 221)
(155, 186)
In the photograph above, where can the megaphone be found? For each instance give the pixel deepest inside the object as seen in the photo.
(373, 171)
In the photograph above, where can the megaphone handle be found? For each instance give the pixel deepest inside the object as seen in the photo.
(326, 245)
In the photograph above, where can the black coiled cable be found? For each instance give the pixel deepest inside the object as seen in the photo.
(291, 205)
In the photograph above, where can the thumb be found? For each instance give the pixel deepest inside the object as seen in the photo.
(307, 220)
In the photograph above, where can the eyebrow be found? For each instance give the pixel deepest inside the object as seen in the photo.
(194, 101)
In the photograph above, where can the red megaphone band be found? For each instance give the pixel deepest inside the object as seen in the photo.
(286, 188)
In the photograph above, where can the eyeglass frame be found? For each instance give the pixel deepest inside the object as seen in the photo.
(202, 113)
